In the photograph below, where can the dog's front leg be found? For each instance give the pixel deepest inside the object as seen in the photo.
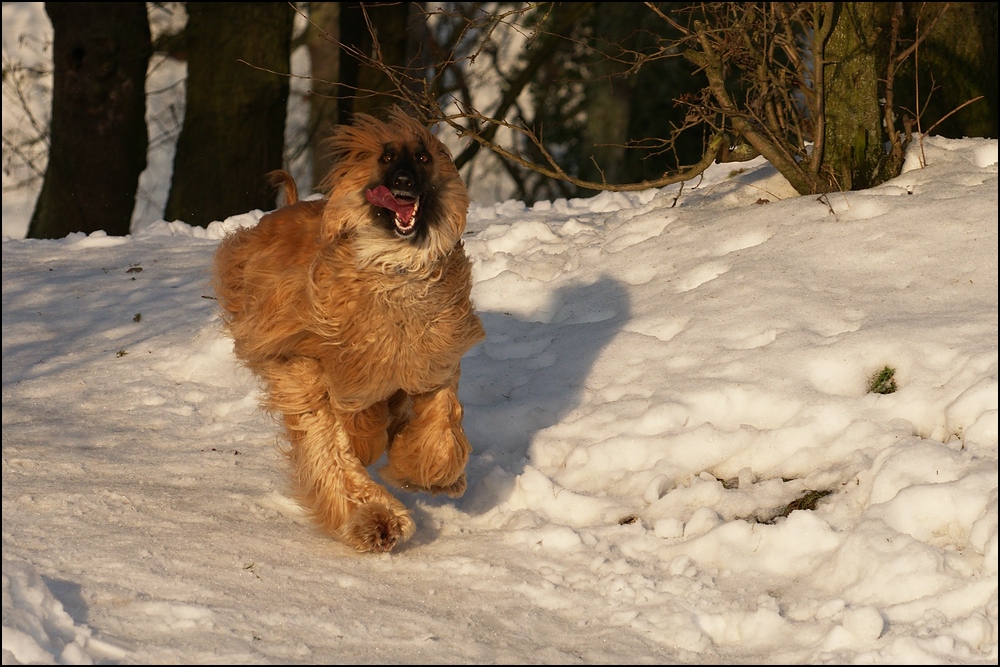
(430, 451)
(329, 455)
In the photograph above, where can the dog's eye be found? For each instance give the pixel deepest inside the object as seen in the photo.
(387, 158)
(423, 157)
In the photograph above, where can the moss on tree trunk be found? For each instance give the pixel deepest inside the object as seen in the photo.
(854, 147)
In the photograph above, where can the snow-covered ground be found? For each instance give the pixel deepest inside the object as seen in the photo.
(662, 378)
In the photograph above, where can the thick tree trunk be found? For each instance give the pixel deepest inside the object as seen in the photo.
(324, 55)
(234, 119)
(366, 89)
(854, 147)
(609, 96)
(97, 142)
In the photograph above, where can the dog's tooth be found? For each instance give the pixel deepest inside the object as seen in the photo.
(404, 226)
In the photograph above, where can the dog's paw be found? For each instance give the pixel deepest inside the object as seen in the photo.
(373, 527)
(453, 490)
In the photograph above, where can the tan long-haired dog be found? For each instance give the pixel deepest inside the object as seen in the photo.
(354, 311)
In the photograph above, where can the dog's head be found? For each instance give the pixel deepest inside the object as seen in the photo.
(395, 191)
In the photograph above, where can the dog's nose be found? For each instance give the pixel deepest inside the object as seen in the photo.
(402, 180)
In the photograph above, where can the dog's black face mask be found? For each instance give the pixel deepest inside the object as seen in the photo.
(402, 200)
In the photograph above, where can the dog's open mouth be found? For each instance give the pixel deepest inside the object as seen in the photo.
(404, 208)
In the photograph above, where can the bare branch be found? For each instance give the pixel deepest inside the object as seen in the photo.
(953, 111)
(766, 64)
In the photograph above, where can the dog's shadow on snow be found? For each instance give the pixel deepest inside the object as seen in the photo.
(526, 376)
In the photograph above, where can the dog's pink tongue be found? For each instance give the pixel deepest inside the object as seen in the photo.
(381, 196)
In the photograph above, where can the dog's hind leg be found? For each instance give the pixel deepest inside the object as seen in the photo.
(430, 451)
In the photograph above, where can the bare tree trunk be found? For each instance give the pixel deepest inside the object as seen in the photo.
(234, 121)
(609, 96)
(322, 36)
(97, 144)
(367, 86)
(854, 139)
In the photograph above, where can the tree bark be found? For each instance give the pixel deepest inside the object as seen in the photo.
(234, 120)
(98, 139)
(854, 142)
(322, 35)
(609, 96)
(366, 88)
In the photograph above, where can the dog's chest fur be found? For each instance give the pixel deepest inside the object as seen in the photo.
(384, 332)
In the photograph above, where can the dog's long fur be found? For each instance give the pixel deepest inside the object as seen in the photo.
(356, 326)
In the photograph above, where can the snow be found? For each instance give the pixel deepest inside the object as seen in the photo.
(662, 376)
(665, 374)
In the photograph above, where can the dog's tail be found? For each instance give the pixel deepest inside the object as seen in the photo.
(281, 179)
